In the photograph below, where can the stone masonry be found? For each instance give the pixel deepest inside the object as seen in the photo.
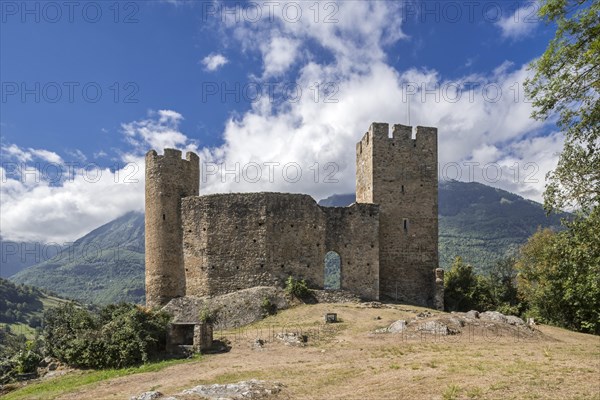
(169, 178)
(221, 243)
(400, 174)
(234, 242)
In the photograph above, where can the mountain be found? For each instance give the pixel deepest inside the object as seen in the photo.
(478, 222)
(482, 224)
(338, 200)
(104, 266)
(17, 256)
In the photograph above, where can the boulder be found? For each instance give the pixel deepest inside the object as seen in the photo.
(512, 320)
(147, 396)
(44, 363)
(397, 326)
(493, 316)
(456, 321)
(435, 327)
(252, 389)
(258, 344)
(292, 338)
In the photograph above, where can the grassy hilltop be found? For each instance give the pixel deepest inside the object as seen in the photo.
(348, 360)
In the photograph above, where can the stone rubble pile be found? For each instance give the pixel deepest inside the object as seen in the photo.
(426, 322)
(292, 339)
(251, 389)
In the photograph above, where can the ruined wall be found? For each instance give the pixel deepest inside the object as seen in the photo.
(168, 179)
(400, 174)
(238, 241)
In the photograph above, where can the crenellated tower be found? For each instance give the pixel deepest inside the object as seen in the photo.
(400, 174)
(169, 178)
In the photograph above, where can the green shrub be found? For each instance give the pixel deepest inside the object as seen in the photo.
(115, 337)
(208, 316)
(296, 288)
(28, 359)
(268, 307)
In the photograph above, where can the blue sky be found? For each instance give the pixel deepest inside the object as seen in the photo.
(88, 90)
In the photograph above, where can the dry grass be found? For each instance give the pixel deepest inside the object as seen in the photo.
(348, 361)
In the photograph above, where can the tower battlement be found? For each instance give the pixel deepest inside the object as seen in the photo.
(173, 154)
(401, 136)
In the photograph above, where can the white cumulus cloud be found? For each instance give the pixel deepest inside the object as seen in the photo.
(24, 155)
(520, 24)
(278, 55)
(213, 62)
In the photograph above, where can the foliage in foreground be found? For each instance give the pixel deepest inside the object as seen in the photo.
(559, 274)
(566, 87)
(51, 389)
(117, 336)
(555, 278)
(465, 290)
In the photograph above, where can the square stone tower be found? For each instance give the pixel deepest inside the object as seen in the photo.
(400, 174)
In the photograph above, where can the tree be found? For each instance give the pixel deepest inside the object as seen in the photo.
(566, 85)
(502, 279)
(464, 290)
(559, 275)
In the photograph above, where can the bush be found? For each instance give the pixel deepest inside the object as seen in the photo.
(268, 307)
(28, 359)
(118, 336)
(296, 288)
(207, 316)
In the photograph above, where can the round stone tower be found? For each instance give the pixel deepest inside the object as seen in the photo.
(169, 178)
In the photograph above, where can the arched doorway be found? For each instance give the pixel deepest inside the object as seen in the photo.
(333, 271)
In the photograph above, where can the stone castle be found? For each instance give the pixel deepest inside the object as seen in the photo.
(384, 246)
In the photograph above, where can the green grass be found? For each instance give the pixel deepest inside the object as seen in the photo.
(451, 393)
(55, 387)
(19, 328)
(52, 302)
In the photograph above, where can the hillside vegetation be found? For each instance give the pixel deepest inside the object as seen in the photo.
(105, 266)
(484, 224)
(22, 310)
(22, 307)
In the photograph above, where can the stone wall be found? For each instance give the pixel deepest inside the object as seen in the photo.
(238, 241)
(168, 179)
(400, 174)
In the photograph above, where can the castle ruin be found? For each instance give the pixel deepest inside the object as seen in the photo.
(384, 245)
